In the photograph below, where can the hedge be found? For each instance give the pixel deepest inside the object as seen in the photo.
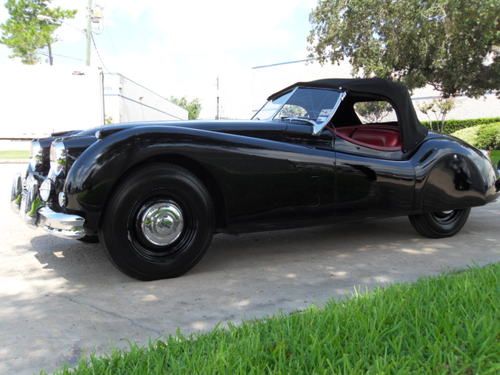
(486, 137)
(451, 126)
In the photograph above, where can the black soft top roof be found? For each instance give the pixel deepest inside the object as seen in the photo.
(412, 131)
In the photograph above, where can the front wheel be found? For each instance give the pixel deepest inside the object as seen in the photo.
(440, 224)
(159, 222)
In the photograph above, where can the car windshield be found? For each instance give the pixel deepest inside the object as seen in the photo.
(314, 105)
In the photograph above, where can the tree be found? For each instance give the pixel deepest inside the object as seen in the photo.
(193, 107)
(453, 45)
(374, 111)
(440, 109)
(31, 26)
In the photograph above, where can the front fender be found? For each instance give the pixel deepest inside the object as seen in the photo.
(96, 172)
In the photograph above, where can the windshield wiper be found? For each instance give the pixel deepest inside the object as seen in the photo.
(291, 118)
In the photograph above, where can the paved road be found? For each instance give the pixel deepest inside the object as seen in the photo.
(60, 299)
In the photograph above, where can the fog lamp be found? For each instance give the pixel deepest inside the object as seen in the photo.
(61, 198)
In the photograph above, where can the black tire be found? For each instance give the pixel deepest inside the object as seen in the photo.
(440, 224)
(89, 239)
(122, 230)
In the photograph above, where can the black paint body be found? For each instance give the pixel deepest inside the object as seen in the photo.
(276, 174)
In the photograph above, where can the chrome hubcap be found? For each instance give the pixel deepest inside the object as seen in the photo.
(162, 222)
(445, 217)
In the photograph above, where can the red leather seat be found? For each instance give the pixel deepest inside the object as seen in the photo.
(377, 137)
(345, 131)
(381, 137)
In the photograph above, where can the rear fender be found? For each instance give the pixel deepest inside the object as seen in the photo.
(453, 175)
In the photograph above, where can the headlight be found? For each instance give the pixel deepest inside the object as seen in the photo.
(46, 190)
(36, 156)
(57, 157)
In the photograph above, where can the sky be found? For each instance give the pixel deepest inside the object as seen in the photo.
(180, 47)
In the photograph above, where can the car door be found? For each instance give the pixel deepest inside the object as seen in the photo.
(271, 184)
(318, 167)
(370, 183)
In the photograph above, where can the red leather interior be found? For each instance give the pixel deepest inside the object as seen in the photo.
(380, 137)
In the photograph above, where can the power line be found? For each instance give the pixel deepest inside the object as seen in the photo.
(98, 54)
(60, 55)
(140, 85)
(143, 105)
(284, 63)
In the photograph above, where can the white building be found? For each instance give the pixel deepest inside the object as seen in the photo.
(41, 99)
(127, 100)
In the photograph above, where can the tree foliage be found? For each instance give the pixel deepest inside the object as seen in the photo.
(453, 45)
(193, 107)
(436, 111)
(31, 26)
(374, 111)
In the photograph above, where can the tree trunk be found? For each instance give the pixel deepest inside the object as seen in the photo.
(51, 60)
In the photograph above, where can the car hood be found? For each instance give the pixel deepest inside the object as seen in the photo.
(225, 126)
(77, 141)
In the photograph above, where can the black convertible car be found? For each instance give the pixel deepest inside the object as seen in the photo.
(155, 193)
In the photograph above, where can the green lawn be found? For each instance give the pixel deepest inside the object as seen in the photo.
(443, 325)
(495, 157)
(14, 154)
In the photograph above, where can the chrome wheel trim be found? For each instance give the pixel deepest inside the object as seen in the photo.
(161, 223)
(446, 217)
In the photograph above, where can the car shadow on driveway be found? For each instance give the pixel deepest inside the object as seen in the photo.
(81, 262)
(360, 244)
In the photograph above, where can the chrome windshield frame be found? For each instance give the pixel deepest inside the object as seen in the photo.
(280, 108)
(317, 128)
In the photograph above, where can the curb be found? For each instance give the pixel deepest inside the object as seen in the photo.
(13, 161)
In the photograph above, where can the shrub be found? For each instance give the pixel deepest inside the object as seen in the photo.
(488, 137)
(451, 126)
(485, 137)
(495, 157)
(468, 135)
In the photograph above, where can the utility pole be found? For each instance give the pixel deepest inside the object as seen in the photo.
(217, 117)
(89, 31)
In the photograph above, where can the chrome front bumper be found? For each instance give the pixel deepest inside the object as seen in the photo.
(25, 200)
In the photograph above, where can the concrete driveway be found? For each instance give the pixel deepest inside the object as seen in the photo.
(60, 299)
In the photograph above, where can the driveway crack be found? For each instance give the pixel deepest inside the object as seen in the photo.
(110, 313)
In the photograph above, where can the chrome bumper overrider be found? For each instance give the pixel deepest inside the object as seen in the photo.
(26, 201)
(61, 225)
